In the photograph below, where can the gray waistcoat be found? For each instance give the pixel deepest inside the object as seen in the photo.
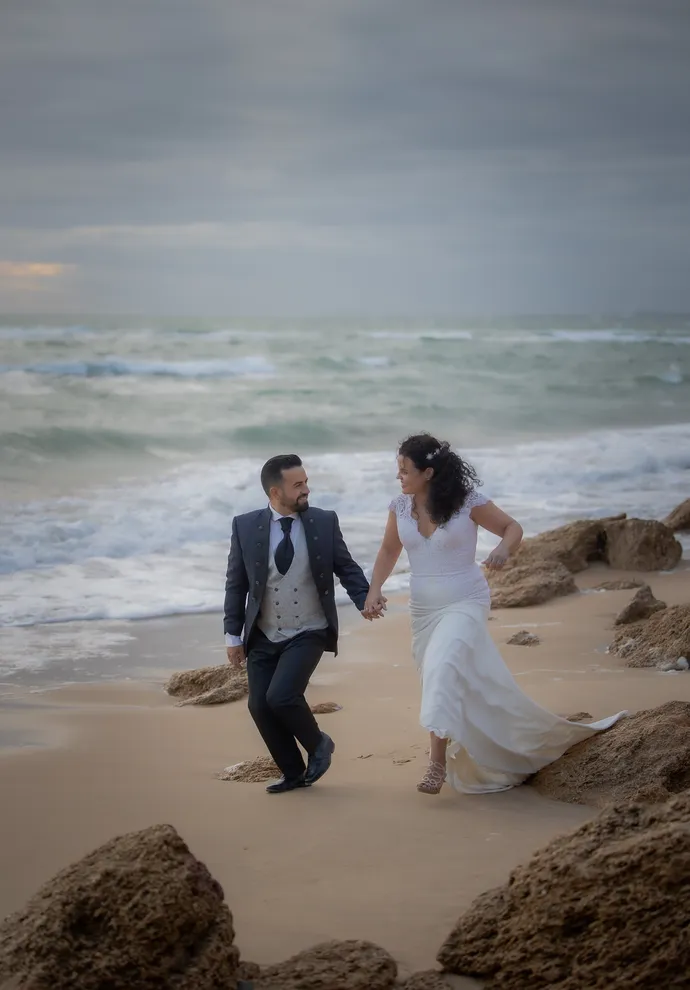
(291, 602)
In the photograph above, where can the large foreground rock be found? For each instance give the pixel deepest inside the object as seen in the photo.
(657, 641)
(679, 520)
(543, 565)
(606, 907)
(641, 606)
(646, 755)
(139, 913)
(208, 685)
(353, 965)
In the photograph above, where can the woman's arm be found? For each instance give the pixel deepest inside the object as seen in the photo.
(498, 522)
(386, 559)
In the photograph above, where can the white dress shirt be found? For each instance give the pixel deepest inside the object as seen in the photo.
(276, 535)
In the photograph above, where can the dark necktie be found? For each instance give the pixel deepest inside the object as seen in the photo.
(285, 550)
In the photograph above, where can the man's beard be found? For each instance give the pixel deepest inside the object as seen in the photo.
(301, 505)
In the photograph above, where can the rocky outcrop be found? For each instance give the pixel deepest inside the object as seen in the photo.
(208, 685)
(641, 606)
(644, 754)
(520, 587)
(353, 965)
(542, 567)
(661, 639)
(641, 545)
(141, 911)
(679, 520)
(524, 638)
(605, 907)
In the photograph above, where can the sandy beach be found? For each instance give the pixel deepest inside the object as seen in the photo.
(361, 855)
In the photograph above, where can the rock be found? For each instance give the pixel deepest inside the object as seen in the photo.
(651, 747)
(662, 638)
(248, 971)
(623, 585)
(251, 771)
(640, 607)
(641, 545)
(141, 911)
(605, 907)
(325, 708)
(428, 979)
(524, 638)
(575, 545)
(208, 685)
(579, 717)
(679, 520)
(532, 585)
(352, 965)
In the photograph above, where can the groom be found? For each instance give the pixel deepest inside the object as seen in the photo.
(280, 612)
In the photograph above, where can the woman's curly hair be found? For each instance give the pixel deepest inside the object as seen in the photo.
(453, 478)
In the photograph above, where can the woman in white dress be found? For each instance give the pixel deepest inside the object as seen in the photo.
(486, 735)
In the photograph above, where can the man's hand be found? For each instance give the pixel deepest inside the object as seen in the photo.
(235, 656)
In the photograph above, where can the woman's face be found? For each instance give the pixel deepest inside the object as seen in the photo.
(412, 480)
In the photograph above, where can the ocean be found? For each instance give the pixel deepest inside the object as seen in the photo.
(126, 446)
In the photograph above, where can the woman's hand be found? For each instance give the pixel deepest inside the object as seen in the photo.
(374, 606)
(497, 558)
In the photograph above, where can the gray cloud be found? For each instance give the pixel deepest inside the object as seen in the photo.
(295, 156)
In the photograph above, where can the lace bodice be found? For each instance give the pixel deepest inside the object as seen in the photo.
(443, 565)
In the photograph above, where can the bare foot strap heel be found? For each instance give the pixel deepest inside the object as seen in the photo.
(434, 778)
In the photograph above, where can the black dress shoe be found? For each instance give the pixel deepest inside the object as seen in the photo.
(287, 784)
(320, 760)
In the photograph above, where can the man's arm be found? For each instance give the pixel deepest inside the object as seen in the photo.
(236, 588)
(350, 573)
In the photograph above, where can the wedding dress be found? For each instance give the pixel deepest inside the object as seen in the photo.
(497, 735)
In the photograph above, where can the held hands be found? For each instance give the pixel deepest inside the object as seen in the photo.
(374, 606)
(497, 558)
(235, 656)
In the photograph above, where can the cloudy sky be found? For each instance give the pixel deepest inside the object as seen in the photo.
(344, 156)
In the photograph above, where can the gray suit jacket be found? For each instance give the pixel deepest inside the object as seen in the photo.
(247, 572)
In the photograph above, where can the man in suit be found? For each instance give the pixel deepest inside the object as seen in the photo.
(280, 614)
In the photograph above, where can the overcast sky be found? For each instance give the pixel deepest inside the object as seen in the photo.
(344, 156)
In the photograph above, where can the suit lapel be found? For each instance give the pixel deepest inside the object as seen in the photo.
(263, 542)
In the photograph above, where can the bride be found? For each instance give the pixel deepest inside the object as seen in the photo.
(486, 735)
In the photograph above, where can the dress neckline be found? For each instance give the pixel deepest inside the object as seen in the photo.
(416, 522)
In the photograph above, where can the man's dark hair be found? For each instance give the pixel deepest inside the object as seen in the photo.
(272, 471)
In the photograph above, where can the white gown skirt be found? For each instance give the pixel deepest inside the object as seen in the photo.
(497, 735)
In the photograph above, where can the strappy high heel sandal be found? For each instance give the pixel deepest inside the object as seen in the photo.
(434, 778)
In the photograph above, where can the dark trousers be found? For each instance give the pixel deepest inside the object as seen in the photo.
(278, 675)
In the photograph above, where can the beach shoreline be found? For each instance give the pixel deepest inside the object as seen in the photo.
(84, 761)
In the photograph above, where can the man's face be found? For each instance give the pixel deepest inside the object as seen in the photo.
(293, 494)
